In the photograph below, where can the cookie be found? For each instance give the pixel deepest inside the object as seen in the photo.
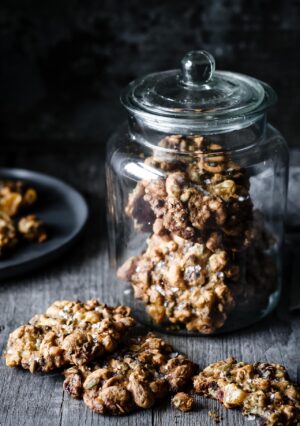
(8, 234)
(32, 228)
(261, 389)
(182, 282)
(70, 332)
(203, 197)
(14, 195)
(145, 370)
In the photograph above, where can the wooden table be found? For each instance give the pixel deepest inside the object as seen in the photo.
(38, 400)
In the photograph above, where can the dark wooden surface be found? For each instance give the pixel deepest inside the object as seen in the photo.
(33, 400)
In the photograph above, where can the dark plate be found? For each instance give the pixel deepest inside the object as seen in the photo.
(64, 211)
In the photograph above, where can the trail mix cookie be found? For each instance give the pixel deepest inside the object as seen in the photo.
(145, 370)
(70, 332)
(32, 228)
(15, 195)
(182, 282)
(8, 235)
(204, 198)
(259, 389)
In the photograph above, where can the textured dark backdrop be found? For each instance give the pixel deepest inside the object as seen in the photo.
(63, 63)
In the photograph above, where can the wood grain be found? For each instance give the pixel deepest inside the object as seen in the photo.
(38, 400)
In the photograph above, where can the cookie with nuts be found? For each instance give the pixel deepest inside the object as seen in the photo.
(32, 228)
(145, 370)
(14, 196)
(70, 332)
(261, 389)
(182, 282)
(202, 197)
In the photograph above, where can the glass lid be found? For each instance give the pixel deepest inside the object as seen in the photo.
(198, 96)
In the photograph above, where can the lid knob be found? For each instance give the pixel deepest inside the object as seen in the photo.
(197, 67)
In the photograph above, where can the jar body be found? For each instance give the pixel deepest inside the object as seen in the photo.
(196, 225)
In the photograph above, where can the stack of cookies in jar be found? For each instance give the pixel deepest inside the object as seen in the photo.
(206, 253)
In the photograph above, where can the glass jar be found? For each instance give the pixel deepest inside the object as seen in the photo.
(196, 192)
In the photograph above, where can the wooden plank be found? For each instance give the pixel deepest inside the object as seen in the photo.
(33, 400)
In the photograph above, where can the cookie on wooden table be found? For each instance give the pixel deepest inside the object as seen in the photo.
(260, 389)
(70, 332)
(144, 370)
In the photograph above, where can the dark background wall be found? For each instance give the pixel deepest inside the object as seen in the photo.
(63, 63)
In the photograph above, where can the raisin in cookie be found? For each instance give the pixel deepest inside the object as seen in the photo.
(70, 332)
(259, 389)
(145, 370)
